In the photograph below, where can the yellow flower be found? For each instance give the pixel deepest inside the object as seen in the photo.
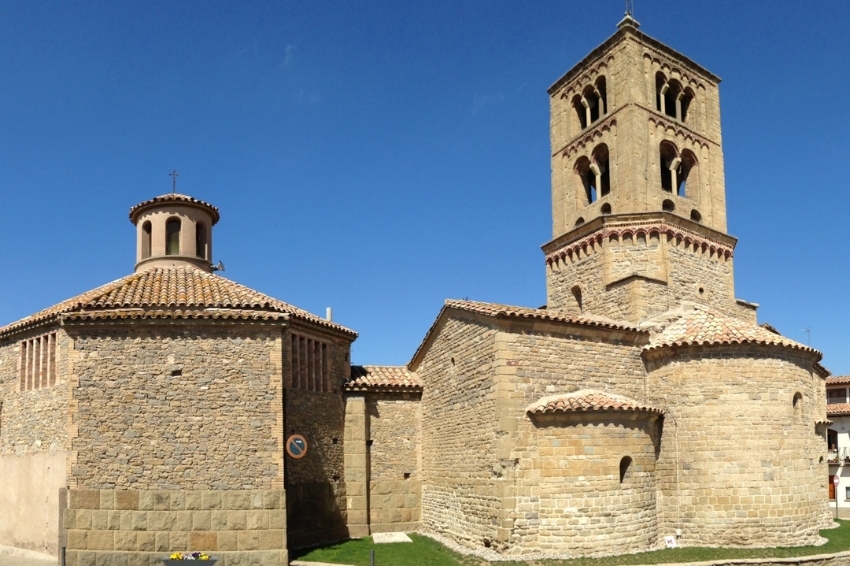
(176, 556)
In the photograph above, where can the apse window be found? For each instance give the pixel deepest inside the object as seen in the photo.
(625, 466)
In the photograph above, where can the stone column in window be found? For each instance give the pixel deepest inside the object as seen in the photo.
(586, 104)
(662, 101)
(674, 166)
(597, 172)
(679, 97)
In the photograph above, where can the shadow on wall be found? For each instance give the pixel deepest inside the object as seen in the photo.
(315, 491)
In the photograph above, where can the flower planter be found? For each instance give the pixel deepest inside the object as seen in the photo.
(185, 562)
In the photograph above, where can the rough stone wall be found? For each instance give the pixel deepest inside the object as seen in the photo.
(193, 406)
(139, 527)
(748, 459)
(667, 269)
(461, 487)
(315, 486)
(395, 486)
(580, 505)
(33, 450)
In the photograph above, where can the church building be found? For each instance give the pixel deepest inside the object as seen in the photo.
(174, 409)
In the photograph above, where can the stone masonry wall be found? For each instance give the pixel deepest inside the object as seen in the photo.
(461, 483)
(739, 463)
(140, 527)
(395, 486)
(33, 449)
(580, 505)
(315, 487)
(177, 407)
(673, 270)
(540, 359)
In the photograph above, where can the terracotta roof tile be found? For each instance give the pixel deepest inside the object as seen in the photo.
(838, 380)
(383, 378)
(701, 325)
(509, 311)
(587, 400)
(836, 409)
(176, 290)
(826, 422)
(174, 197)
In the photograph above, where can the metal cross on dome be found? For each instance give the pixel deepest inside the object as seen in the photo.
(630, 7)
(174, 174)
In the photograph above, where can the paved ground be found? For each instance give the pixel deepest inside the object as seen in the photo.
(7, 560)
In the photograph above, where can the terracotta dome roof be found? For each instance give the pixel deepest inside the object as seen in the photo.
(177, 292)
(382, 378)
(703, 326)
(587, 400)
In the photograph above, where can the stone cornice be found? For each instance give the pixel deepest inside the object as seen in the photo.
(643, 39)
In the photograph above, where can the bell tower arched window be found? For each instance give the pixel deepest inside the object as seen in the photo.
(684, 175)
(172, 237)
(599, 166)
(146, 240)
(669, 164)
(201, 241)
(588, 179)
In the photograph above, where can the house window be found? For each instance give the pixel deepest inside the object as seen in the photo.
(38, 362)
(847, 493)
(309, 364)
(836, 396)
(172, 237)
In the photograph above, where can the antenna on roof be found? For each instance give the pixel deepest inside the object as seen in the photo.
(808, 330)
(630, 7)
(218, 267)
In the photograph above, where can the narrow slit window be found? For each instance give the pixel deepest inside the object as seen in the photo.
(146, 240)
(38, 362)
(309, 369)
(201, 241)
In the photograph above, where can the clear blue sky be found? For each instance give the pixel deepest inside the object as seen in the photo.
(379, 157)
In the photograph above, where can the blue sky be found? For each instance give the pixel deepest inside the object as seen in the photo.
(379, 157)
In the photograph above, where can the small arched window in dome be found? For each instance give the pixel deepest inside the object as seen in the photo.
(668, 206)
(172, 236)
(146, 240)
(201, 241)
(696, 216)
(625, 464)
(606, 208)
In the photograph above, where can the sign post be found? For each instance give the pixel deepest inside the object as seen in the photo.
(835, 483)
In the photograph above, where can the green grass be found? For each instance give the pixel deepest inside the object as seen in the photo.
(426, 552)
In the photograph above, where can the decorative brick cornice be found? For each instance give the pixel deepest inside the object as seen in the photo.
(658, 227)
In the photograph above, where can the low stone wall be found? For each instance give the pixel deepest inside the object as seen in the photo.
(138, 528)
(395, 505)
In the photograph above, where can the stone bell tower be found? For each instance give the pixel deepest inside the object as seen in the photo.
(638, 195)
